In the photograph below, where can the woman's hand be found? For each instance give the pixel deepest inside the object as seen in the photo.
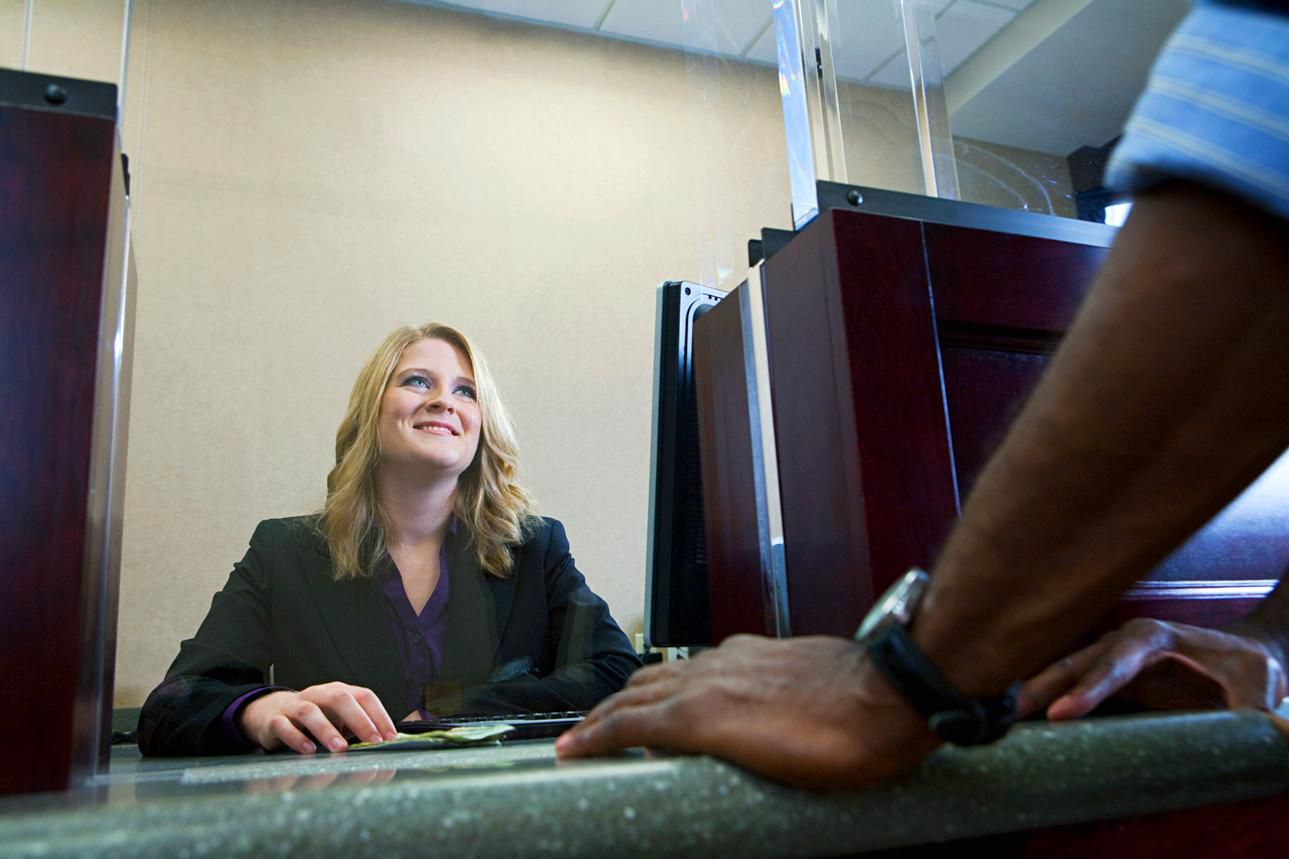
(1162, 665)
(316, 715)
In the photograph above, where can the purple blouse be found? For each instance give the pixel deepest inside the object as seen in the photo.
(419, 637)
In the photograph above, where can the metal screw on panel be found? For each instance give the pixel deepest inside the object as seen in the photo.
(854, 197)
(54, 94)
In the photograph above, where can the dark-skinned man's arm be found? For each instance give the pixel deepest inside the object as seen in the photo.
(1165, 401)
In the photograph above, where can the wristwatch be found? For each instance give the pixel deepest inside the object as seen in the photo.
(951, 715)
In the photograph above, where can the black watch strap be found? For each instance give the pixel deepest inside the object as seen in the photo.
(951, 715)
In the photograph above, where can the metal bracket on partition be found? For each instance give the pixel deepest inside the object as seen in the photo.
(64, 95)
(936, 210)
(774, 581)
(771, 242)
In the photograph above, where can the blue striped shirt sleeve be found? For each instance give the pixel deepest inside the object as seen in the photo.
(1216, 108)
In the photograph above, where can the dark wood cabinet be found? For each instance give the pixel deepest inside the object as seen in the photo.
(65, 342)
(900, 348)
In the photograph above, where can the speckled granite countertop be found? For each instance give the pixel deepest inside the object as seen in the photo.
(515, 800)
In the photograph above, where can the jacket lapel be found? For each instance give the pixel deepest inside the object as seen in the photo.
(353, 612)
(478, 610)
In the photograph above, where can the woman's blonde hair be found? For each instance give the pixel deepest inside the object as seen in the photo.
(490, 503)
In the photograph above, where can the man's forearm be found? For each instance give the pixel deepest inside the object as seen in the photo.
(1167, 397)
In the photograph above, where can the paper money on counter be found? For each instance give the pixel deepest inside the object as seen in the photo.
(450, 738)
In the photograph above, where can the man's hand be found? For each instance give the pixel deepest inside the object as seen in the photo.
(1161, 665)
(811, 712)
(316, 715)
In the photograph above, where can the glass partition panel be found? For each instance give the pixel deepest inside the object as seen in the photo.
(737, 160)
(13, 33)
(1037, 108)
(306, 177)
(859, 106)
(883, 49)
(1011, 103)
(68, 38)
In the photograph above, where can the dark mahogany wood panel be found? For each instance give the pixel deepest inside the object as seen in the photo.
(1257, 829)
(1197, 608)
(984, 390)
(864, 368)
(1002, 303)
(1004, 281)
(721, 378)
(864, 463)
(55, 178)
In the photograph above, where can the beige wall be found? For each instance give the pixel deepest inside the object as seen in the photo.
(12, 26)
(308, 174)
(72, 38)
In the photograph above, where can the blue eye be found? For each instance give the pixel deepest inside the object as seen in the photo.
(466, 391)
(417, 381)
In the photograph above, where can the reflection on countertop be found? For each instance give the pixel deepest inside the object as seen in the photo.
(515, 799)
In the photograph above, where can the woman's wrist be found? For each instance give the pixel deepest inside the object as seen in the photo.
(250, 718)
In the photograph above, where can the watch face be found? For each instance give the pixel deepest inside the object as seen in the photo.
(896, 605)
(873, 626)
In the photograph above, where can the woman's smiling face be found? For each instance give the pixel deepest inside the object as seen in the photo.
(429, 413)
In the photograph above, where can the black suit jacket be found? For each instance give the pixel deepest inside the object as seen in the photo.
(537, 640)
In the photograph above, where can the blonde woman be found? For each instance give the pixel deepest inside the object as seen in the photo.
(425, 587)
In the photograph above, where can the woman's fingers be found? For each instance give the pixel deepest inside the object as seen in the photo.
(308, 716)
(356, 710)
(285, 732)
(376, 714)
(317, 717)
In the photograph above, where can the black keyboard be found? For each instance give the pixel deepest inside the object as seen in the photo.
(527, 726)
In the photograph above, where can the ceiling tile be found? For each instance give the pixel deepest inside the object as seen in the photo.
(869, 32)
(959, 33)
(723, 26)
(964, 28)
(568, 13)
(765, 50)
(1077, 86)
(893, 74)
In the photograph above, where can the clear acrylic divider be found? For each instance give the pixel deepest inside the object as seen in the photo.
(730, 70)
(1010, 103)
(67, 39)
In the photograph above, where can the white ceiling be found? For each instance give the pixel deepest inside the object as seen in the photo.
(1073, 87)
(869, 34)
(1078, 85)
